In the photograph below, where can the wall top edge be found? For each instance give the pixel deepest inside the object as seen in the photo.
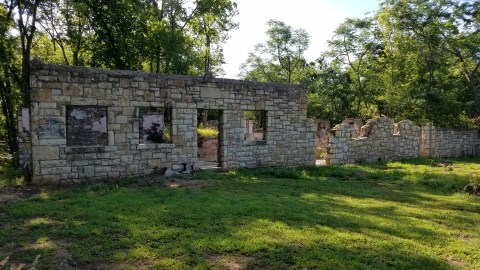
(38, 65)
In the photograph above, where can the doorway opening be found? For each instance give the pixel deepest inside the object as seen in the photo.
(209, 139)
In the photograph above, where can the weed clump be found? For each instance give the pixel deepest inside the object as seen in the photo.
(473, 186)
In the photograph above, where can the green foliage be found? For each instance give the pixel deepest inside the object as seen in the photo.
(413, 60)
(10, 175)
(473, 185)
(281, 58)
(278, 218)
(211, 25)
(207, 132)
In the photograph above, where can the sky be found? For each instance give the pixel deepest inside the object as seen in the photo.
(318, 17)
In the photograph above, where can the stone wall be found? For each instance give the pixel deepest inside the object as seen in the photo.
(443, 142)
(378, 140)
(382, 139)
(117, 151)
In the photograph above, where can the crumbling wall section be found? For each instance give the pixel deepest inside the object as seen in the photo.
(378, 140)
(67, 99)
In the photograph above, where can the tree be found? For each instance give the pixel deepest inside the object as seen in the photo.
(419, 32)
(170, 47)
(119, 28)
(27, 20)
(461, 40)
(67, 27)
(281, 58)
(212, 22)
(329, 94)
(352, 49)
(9, 78)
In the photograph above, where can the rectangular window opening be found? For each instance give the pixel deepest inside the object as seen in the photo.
(255, 125)
(86, 126)
(155, 125)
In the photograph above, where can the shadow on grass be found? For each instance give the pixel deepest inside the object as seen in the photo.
(348, 217)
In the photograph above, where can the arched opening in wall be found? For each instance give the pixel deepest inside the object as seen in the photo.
(209, 141)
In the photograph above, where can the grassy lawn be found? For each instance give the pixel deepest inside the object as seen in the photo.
(397, 215)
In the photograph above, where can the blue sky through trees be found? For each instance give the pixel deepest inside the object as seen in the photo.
(318, 17)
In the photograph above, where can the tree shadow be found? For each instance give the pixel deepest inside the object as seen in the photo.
(341, 217)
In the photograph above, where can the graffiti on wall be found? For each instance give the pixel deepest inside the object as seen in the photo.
(49, 127)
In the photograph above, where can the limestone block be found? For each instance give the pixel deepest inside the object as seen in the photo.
(53, 163)
(121, 119)
(72, 89)
(55, 170)
(102, 169)
(45, 179)
(132, 169)
(45, 152)
(41, 95)
(83, 101)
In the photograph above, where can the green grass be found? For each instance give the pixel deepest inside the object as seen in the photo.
(398, 215)
(10, 176)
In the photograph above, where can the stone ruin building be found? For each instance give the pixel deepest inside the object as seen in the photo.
(88, 123)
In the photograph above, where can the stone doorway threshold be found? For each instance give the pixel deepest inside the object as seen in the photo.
(207, 165)
(320, 162)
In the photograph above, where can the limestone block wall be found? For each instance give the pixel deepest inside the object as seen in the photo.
(107, 104)
(443, 142)
(378, 140)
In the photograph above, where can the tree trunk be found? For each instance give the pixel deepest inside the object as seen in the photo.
(8, 110)
(472, 84)
(205, 118)
(27, 100)
(207, 54)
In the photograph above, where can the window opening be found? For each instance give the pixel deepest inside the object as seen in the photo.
(86, 126)
(255, 125)
(155, 125)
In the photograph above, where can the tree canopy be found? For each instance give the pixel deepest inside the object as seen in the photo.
(163, 36)
(281, 58)
(415, 59)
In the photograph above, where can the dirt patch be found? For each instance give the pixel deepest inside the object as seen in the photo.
(456, 262)
(208, 150)
(230, 262)
(176, 183)
(11, 194)
(472, 190)
(117, 265)
(465, 238)
(61, 255)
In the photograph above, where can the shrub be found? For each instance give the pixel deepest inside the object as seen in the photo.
(207, 132)
(473, 185)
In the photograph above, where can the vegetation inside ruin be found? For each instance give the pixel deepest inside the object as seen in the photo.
(397, 215)
(207, 132)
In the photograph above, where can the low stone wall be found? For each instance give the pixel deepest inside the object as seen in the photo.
(379, 139)
(382, 139)
(89, 123)
(443, 142)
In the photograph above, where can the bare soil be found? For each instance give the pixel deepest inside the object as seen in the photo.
(11, 194)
